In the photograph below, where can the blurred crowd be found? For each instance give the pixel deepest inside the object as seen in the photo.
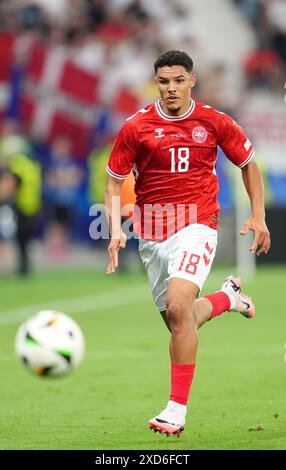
(269, 19)
(265, 67)
(45, 188)
(119, 38)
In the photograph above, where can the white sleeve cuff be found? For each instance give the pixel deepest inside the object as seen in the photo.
(115, 175)
(248, 159)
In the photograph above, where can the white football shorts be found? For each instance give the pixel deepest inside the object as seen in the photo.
(187, 254)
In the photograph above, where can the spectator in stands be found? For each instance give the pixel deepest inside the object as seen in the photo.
(275, 20)
(251, 8)
(62, 181)
(264, 69)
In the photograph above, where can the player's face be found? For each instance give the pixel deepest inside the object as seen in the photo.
(175, 85)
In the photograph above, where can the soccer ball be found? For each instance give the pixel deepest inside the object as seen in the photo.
(50, 343)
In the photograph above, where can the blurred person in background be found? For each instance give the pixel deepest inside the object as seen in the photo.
(251, 8)
(62, 181)
(274, 23)
(25, 193)
(8, 187)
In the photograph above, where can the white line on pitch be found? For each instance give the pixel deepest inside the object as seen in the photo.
(102, 300)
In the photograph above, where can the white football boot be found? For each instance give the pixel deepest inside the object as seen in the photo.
(239, 302)
(171, 421)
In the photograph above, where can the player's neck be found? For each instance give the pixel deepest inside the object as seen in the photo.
(179, 112)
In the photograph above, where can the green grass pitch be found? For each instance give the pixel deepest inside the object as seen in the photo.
(238, 398)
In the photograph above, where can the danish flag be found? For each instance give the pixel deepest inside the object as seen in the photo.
(58, 97)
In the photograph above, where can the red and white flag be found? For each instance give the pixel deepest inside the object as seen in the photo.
(6, 62)
(58, 97)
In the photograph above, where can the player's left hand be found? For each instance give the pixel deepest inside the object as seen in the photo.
(261, 242)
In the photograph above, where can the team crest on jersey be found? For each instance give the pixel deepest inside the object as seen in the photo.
(160, 132)
(199, 134)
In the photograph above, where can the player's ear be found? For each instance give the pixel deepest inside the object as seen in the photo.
(157, 83)
(193, 80)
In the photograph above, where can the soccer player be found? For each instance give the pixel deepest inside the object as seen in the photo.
(171, 145)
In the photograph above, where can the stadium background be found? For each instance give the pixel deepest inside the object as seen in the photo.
(71, 72)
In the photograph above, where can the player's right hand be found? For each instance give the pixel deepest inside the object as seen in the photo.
(113, 249)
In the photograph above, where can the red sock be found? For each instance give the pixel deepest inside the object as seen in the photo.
(181, 381)
(220, 302)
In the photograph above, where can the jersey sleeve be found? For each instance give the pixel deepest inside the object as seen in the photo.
(234, 143)
(123, 153)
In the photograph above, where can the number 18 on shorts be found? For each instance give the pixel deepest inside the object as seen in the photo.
(188, 254)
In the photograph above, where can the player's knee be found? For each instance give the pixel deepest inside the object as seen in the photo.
(179, 314)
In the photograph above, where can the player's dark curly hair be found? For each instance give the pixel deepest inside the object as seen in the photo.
(169, 58)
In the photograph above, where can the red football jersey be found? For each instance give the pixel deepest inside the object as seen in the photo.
(173, 160)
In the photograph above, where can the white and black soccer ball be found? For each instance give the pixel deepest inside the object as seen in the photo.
(50, 343)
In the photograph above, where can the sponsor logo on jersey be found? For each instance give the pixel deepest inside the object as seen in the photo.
(179, 136)
(199, 134)
(159, 133)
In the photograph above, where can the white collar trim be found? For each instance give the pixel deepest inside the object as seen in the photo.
(174, 118)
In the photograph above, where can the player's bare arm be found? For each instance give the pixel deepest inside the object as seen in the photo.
(117, 237)
(256, 223)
